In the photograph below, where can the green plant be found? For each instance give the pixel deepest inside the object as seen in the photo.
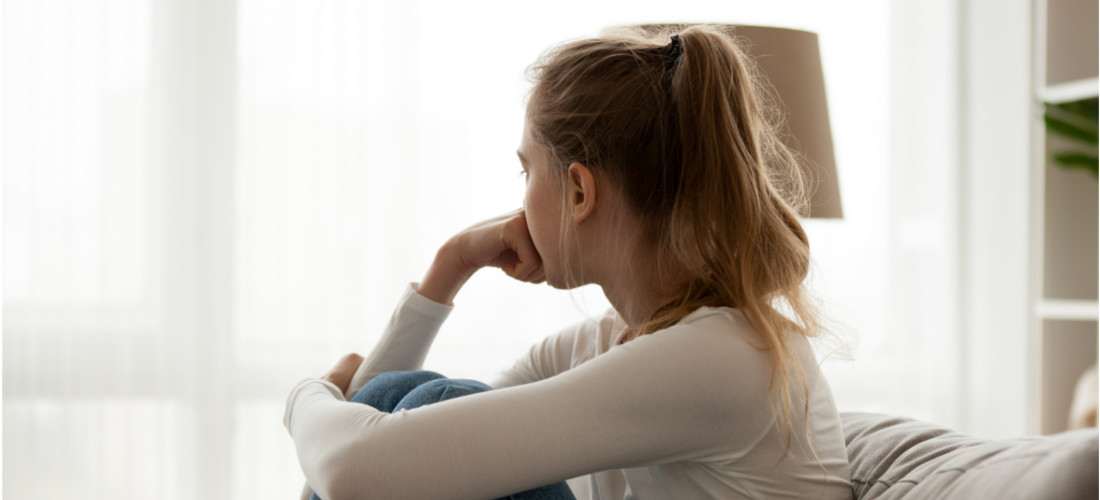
(1075, 120)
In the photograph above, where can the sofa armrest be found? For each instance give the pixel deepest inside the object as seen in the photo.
(893, 458)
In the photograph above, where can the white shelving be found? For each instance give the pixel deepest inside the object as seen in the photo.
(1078, 310)
(1064, 218)
(1070, 91)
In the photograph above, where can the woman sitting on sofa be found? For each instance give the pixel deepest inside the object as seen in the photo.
(654, 172)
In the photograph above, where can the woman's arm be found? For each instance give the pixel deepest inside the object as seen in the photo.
(562, 351)
(498, 242)
(549, 357)
(665, 397)
(405, 341)
(502, 242)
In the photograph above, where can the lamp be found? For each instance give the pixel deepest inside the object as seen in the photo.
(791, 60)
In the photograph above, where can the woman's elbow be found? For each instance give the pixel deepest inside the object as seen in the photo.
(338, 477)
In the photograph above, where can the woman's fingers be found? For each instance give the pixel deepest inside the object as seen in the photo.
(503, 241)
(345, 369)
(527, 265)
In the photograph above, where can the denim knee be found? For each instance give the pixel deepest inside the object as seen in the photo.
(411, 378)
(438, 390)
(386, 390)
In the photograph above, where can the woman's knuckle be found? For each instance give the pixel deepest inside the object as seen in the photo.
(352, 357)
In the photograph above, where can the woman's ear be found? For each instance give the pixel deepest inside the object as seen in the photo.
(582, 191)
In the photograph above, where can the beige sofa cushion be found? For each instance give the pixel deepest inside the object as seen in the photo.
(898, 458)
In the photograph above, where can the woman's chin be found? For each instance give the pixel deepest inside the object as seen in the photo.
(562, 283)
(557, 283)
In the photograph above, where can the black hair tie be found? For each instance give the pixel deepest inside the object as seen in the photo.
(675, 49)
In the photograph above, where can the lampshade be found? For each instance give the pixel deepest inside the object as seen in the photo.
(791, 60)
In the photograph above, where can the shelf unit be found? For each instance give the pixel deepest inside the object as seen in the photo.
(1064, 222)
(1070, 310)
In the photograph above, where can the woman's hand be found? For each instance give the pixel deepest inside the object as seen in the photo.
(502, 242)
(340, 375)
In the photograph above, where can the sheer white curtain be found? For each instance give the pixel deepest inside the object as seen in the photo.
(206, 201)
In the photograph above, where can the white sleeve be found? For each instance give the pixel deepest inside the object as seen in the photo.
(561, 351)
(645, 402)
(405, 341)
(404, 345)
(549, 357)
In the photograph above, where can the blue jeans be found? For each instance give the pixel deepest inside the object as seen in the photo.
(392, 391)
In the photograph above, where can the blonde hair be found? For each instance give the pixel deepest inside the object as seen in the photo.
(691, 140)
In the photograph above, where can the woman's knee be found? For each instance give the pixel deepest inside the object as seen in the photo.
(407, 378)
(439, 390)
(387, 389)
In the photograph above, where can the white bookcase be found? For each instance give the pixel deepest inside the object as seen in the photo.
(1064, 207)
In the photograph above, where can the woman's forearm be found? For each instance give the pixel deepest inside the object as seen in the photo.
(406, 340)
(503, 241)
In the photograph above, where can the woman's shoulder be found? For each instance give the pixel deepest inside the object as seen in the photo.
(719, 338)
(721, 342)
(713, 341)
(716, 330)
(731, 325)
(722, 324)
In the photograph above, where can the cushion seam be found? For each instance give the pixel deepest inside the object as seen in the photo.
(953, 469)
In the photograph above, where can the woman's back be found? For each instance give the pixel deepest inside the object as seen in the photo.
(700, 382)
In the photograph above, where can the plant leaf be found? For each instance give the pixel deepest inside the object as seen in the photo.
(1070, 130)
(1084, 108)
(1076, 112)
(1082, 161)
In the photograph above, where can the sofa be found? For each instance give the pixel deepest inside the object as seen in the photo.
(899, 458)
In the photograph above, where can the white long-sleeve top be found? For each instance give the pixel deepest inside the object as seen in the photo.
(680, 413)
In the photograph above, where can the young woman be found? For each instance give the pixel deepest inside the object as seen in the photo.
(654, 171)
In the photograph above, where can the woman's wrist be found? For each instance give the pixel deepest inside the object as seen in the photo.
(445, 276)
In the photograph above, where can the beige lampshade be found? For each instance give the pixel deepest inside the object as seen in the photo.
(791, 61)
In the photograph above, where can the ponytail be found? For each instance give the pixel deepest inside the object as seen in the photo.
(729, 214)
